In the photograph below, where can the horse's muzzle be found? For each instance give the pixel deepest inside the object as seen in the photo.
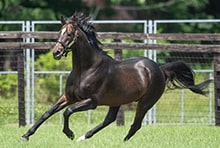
(57, 55)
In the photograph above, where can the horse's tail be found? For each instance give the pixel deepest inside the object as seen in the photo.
(180, 75)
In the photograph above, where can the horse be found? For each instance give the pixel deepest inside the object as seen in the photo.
(97, 79)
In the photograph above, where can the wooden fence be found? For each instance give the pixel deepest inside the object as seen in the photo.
(132, 36)
(195, 46)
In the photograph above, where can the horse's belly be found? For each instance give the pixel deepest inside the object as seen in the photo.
(117, 99)
(125, 90)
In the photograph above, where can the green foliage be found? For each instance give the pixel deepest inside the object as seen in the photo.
(132, 53)
(47, 62)
(47, 85)
(125, 53)
(37, 10)
(8, 86)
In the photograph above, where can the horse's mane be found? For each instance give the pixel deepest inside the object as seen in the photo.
(84, 23)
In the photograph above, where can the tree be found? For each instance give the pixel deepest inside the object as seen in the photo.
(38, 10)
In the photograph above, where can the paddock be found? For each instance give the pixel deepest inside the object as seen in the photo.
(28, 41)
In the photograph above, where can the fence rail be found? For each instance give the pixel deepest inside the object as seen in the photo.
(111, 35)
(118, 35)
(170, 47)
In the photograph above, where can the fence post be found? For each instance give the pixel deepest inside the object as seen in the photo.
(120, 116)
(21, 102)
(217, 87)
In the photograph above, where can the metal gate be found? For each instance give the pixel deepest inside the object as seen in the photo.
(149, 26)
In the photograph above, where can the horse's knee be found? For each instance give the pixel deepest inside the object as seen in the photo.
(67, 112)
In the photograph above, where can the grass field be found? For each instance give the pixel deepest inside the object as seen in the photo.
(112, 137)
(196, 112)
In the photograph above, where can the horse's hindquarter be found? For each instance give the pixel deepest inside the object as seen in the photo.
(129, 81)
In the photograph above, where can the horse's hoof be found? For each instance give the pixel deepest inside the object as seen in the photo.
(69, 134)
(71, 137)
(82, 138)
(126, 138)
(23, 139)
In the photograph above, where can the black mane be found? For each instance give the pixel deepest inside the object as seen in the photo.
(84, 23)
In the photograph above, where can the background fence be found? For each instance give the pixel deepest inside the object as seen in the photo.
(175, 107)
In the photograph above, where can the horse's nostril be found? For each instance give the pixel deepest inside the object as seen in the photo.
(57, 54)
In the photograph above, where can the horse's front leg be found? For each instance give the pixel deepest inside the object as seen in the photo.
(81, 106)
(61, 103)
(110, 117)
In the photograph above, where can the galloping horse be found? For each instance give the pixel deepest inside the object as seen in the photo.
(97, 79)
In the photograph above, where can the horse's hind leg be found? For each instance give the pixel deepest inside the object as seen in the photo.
(61, 103)
(110, 117)
(140, 113)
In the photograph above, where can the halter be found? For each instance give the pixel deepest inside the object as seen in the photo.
(67, 48)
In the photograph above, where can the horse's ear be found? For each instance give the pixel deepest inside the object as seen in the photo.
(63, 20)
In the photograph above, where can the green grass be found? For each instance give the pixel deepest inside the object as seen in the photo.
(111, 137)
(168, 112)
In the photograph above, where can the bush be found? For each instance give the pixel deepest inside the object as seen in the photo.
(47, 85)
(8, 85)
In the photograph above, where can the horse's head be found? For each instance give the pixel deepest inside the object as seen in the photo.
(67, 37)
(73, 28)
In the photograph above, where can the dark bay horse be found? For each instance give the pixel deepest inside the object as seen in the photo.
(97, 79)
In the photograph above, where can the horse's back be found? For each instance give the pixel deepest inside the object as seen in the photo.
(145, 63)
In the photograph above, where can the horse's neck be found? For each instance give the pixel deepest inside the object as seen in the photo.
(84, 56)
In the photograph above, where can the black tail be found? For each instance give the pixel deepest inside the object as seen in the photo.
(180, 75)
